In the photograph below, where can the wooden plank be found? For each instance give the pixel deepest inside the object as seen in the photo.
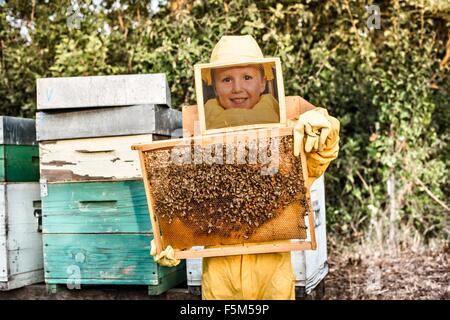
(23, 199)
(243, 249)
(102, 91)
(168, 281)
(17, 131)
(96, 207)
(92, 159)
(25, 260)
(19, 163)
(297, 106)
(21, 261)
(24, 242)
(102, 259)
(22, 280)
(101, 122)
(151, 206)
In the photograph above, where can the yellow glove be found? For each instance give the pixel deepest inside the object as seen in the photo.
(316, 126)
(165, 258)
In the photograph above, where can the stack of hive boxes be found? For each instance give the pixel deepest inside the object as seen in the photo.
(20, 237)
(96, 226)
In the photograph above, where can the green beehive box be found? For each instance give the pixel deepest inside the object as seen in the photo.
(99, 233)
(19, 153)
(19, 163)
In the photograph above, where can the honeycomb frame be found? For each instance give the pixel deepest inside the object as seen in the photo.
(283, 245)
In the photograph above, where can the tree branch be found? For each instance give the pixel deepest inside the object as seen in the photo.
(432, 196)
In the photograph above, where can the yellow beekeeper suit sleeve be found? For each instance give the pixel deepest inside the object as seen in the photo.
(319, 161)
(263, 276)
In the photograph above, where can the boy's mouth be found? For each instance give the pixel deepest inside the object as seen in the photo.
(238, 101)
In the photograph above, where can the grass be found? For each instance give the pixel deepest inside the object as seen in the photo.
(373, 269)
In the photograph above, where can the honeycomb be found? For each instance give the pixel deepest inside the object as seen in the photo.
(223, 194)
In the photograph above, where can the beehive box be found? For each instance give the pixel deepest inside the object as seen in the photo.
(20, 236)
(19, 154)
(239, 188)
(99, 233)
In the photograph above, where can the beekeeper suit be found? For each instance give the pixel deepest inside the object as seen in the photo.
(270, 275)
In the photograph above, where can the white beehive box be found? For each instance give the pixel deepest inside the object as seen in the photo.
(21, 260)
(310, 267)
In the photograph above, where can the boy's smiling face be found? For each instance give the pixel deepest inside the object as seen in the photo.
(239, 87)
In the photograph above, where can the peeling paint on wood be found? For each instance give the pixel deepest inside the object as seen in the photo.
(91, 159)
(58, 163)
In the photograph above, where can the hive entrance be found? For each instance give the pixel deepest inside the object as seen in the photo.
(228, 193)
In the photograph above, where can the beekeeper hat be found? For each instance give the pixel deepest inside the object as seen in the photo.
(236, 51)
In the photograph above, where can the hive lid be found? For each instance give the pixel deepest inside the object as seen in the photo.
(17, 131)
(102, 91)
(101, 122)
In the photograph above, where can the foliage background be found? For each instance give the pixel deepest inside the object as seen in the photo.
(388, 87)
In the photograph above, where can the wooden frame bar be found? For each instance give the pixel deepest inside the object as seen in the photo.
(249, 248)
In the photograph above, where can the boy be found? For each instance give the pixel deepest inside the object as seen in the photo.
(270, 275)
(240, 99)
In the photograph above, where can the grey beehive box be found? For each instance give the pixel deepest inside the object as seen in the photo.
(17, 131)
(101, 122)
(102, 91)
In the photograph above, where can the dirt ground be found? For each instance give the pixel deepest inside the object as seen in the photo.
(408, 274)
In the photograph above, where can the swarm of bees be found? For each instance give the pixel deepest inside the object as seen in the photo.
(224, 198)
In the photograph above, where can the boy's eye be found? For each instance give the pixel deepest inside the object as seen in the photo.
(247, 77)
(226, 79)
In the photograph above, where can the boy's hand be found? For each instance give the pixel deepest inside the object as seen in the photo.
(165, 258)
(314, 127)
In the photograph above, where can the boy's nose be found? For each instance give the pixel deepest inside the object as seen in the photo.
(237, 86)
